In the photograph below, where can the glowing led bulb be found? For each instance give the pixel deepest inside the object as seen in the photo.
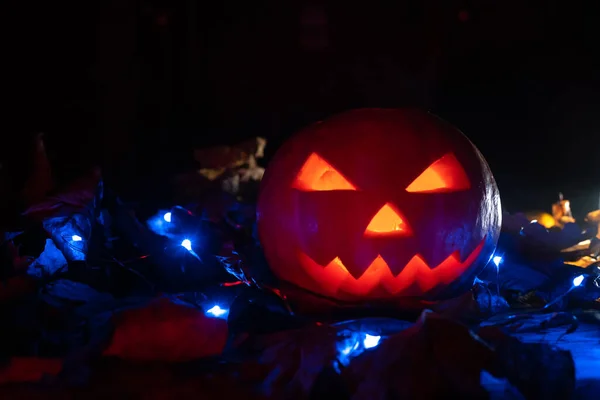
(371, 341)
(497, 260)
(186, 244)
(216, 311)
(578, 280)
(76, 238)
(167, 217)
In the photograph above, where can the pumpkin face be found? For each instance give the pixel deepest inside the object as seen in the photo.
(379, 204)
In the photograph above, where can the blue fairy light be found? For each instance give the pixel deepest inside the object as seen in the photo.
(497, 260)
(577, 281)
(186, 244)
(217, 311)
(355, 344)
(371, 341)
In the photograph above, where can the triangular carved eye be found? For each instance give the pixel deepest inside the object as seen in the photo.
(443, 176)
(318, 175)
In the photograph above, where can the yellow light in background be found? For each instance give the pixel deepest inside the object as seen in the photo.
(542, 218)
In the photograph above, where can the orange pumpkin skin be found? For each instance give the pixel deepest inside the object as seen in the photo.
(379, 204)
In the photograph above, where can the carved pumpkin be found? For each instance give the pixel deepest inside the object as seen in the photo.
(379, 204)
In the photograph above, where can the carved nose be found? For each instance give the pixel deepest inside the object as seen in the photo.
(388, 222)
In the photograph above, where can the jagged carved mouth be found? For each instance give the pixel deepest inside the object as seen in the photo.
(415, 279)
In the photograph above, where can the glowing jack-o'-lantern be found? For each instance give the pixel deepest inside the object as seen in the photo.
(379, 204)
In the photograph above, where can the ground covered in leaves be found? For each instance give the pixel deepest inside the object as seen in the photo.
(99, 300)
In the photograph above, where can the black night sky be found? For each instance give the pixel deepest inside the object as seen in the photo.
(135, 84)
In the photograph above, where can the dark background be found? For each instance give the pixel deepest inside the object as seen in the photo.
(135, 85)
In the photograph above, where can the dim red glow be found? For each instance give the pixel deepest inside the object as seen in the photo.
(463, 16)
(318, 175)
(228, 284)
(387, 221)
(162, 20)
(417, 277)
(444, 175)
